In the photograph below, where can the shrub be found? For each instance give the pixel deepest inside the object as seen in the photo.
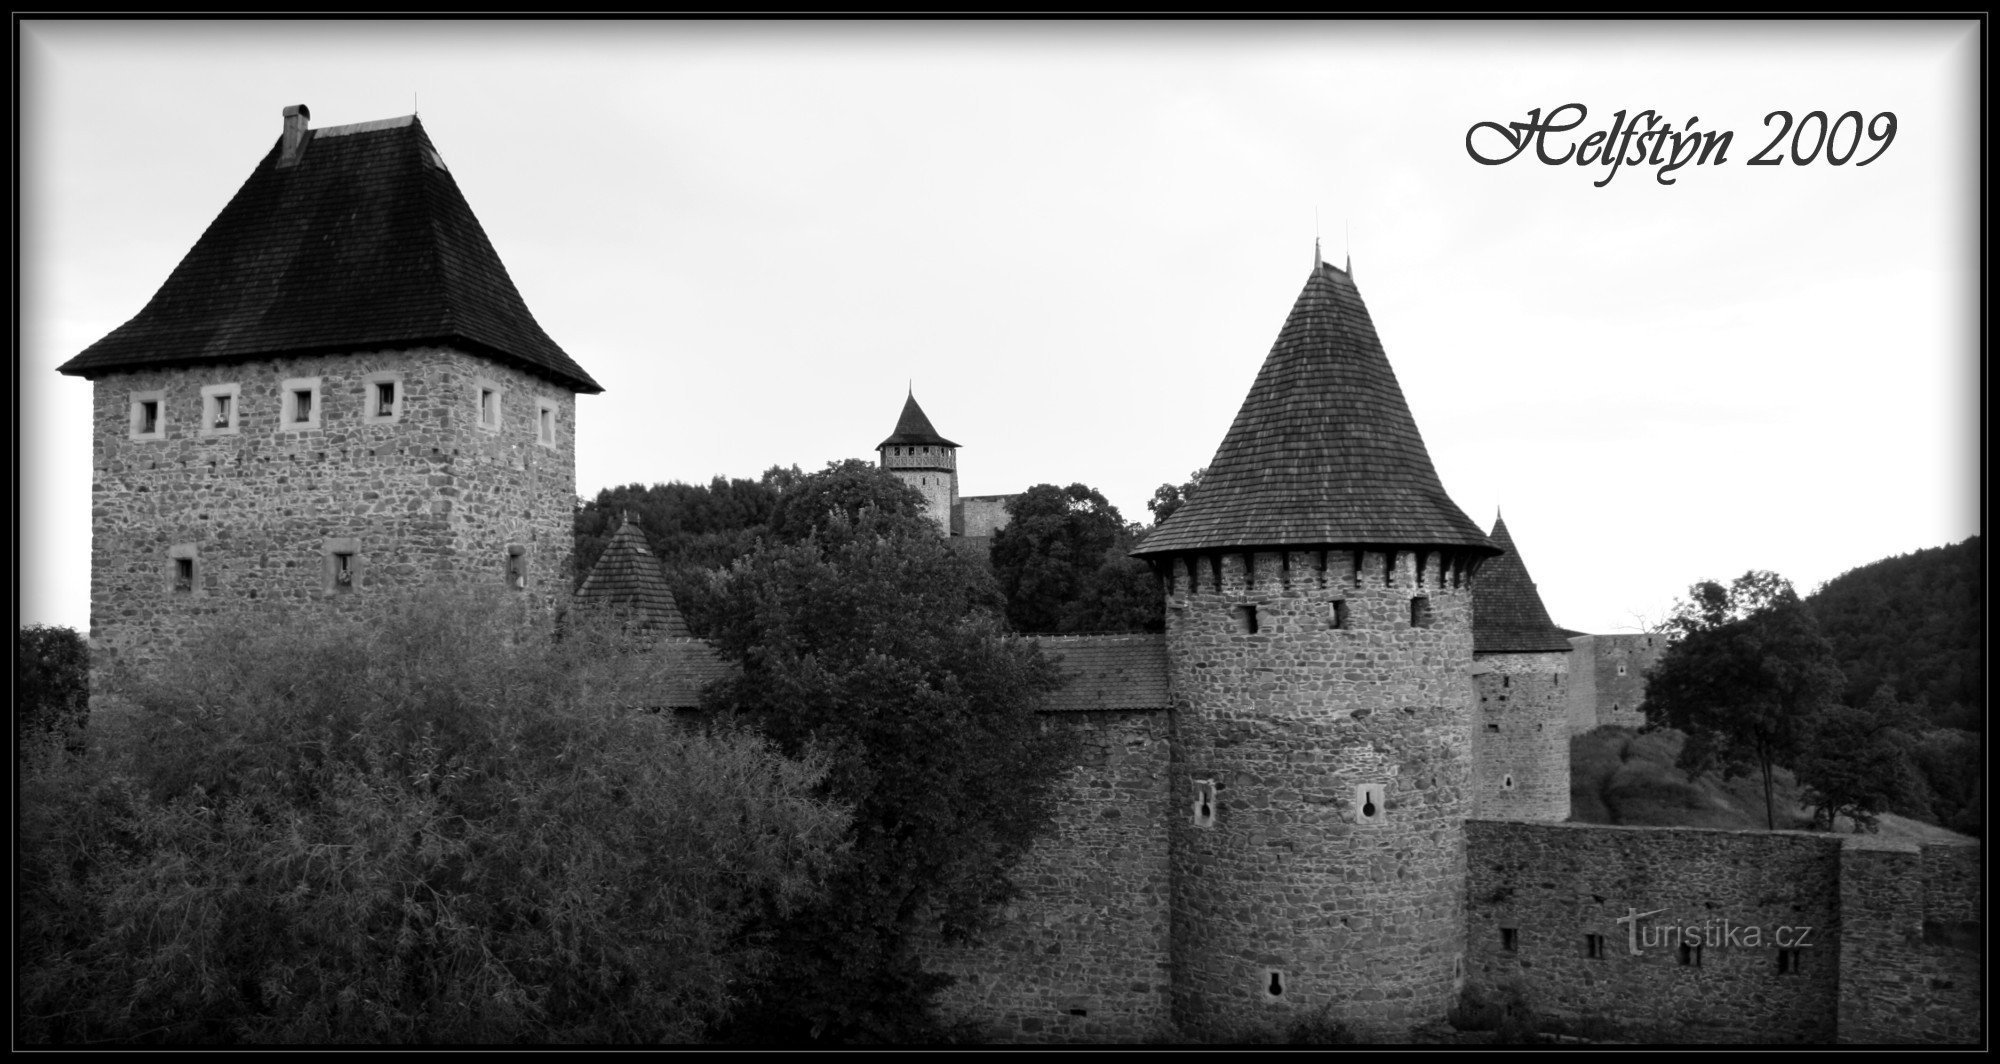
(51, 682)
(442, 825)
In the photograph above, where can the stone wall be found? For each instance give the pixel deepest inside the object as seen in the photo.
(1912, 942)
(931, 470)
(984, 515)
(1520, 737)
(1083, 956)
(426, 496)
(1537, 893)
(1608, 679)
(1318, 788)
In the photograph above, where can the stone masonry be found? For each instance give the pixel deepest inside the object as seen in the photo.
(1520, 740)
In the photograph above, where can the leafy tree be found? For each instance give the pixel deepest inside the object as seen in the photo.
(1747, 670)
(1917, 623)
(1062, 561)
(874, 643)
(1855, 762)
(689, 527)
(51, 681)
(1170, 497)
(417, 829)
(809, 504)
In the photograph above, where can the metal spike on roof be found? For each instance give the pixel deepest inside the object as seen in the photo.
(1507, 612)
(360, 241)
(1323, 451)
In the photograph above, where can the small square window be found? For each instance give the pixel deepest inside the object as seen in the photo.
(302, 405)
(1690, 954)
(1246, 619)
(149, 415)
(220, 408)
(343, 566)
(1420, 612)
(1789, 961)
(381, 397)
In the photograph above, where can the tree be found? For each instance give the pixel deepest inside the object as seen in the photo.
(1746, 672)
(51, 681)
(876, 645)
(1855, 762)
(1170, 497)
(1063, 563)
(809, 504)
(442, 825)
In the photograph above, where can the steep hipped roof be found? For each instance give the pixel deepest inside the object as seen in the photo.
(914, 427)
(1507, 614)
(1324, 450)
(364, 243)
(628, 574)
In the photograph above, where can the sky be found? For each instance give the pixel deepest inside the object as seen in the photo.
(1077, 242)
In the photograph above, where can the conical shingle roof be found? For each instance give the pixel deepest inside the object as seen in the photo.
(914, 428)
(1324, 451)
(365, 243)
(1507, 613)
(628, 574)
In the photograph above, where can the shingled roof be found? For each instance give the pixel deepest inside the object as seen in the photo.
(628, 574)
(1109, 671)
(1324, 451)
(360, 241)
(914, 427)
(1507, 614)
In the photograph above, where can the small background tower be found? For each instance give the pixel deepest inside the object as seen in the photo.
(1520, 738)
(337, 395)
(1319, 637)
(925, 461)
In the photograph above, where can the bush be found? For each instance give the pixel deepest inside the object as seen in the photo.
(439, 826)
(51, 682)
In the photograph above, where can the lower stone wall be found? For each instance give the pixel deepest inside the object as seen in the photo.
(1084, 956)
(1538, 893)
(1912, 945)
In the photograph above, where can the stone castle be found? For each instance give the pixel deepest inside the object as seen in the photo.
(1334, 787)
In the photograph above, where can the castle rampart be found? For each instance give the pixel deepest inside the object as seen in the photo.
(1520, 742)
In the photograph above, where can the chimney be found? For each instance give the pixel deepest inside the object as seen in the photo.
(294, 143)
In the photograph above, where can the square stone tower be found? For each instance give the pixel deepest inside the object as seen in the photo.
(336, 396)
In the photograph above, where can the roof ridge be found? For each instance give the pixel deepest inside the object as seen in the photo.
(364, 127)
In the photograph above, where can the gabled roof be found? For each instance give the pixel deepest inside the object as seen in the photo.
(628, 574)
(1507, 613)
(364, 243)
(914, 427)
(1324, 451)
(1109, 671)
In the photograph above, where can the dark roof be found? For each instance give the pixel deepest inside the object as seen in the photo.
(1507, 613)
(365, 243)
(1324, 451)
(1109, 671)
(628, 574)
(914, 427)
(688, 665)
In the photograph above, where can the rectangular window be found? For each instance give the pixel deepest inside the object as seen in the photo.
(385, 398)
(1246, 619)
(1789, 961)
(1510, 940)
(545, 422)
(1420, 612)
(185, 569)
(343, 566)
(219, 409)
(184, 575)
(491, 397)
(1593, 947)
(381, 397)
(149, 415)
(517, 568)
(343, 572)
(301, 397)
(1340, 613)
(1691, 954)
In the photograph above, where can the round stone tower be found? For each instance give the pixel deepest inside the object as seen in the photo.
(1319, 643)
(925, 461)
(1520, 668)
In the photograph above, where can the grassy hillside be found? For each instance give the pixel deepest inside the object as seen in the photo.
(1618, 776)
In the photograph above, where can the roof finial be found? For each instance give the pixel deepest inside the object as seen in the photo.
(1317, 262)
(1349, 228)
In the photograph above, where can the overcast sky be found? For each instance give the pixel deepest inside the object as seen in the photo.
(1080, 241)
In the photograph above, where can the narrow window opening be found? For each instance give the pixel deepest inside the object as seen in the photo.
(1510, 940)
(1388, 568)
(489, 407)
(184, 574)
(385, 398)
(149, 416)
(1691, 954)
(1367, 801)
(1276, 988)
(302, 406)
(1420, 612)
(517, 568)
(1593, 947)
(1789, 960)
(1204, 803)
(548, 425)
(1079, 1012)
(221, 418)
(343, 573)
(1340, 613)
(1249, 570)
(1506, 681)
(1493, 727)
(1246, 619)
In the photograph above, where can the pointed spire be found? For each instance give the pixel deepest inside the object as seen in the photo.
(1316, 261)
(913, 427)
(628, 574)
(1507, 612)
(1324, 451)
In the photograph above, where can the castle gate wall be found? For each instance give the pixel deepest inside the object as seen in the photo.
(1520, 737)
(1537, 893)
(1912, 942)
(428, 496)
(1083, 956)
(1318, 788)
